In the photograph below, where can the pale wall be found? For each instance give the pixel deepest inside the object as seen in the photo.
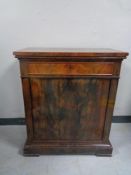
(61, 23)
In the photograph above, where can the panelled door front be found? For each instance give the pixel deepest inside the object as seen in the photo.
(69, 108)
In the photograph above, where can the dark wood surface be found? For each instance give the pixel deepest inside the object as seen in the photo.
(63, 107)
(69, 104)
(69, 52)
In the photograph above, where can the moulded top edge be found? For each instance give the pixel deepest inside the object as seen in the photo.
(68, 52)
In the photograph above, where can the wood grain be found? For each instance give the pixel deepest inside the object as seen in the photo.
(68, 52)
(70, 68)
(69, 108)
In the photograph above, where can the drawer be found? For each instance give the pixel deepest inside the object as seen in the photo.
(69, 68)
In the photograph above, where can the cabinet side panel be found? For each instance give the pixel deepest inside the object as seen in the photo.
(27, 104)
(110, 108)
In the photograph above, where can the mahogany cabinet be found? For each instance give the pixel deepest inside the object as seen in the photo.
(69, 96)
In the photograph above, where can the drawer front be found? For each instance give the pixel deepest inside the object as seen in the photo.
(70, 68)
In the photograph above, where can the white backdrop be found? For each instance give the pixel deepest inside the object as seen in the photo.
(61, 23)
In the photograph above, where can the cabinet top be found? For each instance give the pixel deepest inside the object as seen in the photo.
(68, 52)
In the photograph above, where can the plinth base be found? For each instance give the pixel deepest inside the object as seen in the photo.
(75, 148)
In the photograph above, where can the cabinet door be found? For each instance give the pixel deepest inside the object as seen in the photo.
(69, 108)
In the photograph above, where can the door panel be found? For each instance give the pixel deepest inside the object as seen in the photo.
(69, 108)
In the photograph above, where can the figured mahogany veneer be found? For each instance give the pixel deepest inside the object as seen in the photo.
(72, 68)
(69, 96)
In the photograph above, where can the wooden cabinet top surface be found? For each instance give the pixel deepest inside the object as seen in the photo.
(69, 52)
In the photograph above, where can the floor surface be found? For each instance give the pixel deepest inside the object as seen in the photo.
(12, 162)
